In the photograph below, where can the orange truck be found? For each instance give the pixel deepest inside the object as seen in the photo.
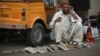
(29, 16)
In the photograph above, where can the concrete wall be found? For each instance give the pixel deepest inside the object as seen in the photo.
(95, 7)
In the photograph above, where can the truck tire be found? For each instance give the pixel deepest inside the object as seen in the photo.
(36, 34)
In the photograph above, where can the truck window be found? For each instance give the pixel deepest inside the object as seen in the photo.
(50, 3)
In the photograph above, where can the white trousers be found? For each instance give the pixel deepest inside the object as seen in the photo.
(76, 33)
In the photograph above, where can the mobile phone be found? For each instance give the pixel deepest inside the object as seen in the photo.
(69, 9)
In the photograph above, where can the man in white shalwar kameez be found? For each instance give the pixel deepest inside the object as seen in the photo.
(67, 24)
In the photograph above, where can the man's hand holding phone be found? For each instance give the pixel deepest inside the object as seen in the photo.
(71, 10)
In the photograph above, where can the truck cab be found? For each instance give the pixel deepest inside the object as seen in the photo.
(32, 16)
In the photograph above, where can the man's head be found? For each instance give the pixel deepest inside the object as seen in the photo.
(65, 7)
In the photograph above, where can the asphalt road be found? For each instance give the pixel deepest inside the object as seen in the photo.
(93, 51)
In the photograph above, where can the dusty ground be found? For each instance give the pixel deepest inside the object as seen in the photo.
(20, 44)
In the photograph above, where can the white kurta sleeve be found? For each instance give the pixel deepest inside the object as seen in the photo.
(51, 25)
(73, 20)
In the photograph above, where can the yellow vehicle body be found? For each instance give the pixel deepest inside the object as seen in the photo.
(11, 14)
(30, 15)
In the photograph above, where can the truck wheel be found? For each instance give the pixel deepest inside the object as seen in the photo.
(36, 34)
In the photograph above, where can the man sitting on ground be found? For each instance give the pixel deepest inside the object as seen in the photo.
(67, 25)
